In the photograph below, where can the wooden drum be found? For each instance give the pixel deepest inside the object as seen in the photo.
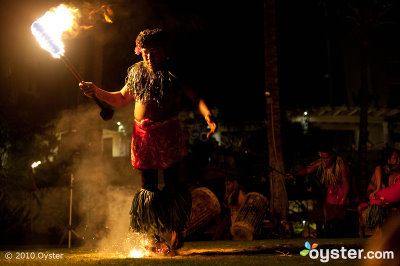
(205, 207)
(249, 216)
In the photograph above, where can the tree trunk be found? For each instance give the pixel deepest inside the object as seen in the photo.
(278, 201)
(363, 127)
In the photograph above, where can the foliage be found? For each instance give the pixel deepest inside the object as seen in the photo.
(14, 220)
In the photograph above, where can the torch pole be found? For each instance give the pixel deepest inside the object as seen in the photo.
(71, 68)
(106, 111)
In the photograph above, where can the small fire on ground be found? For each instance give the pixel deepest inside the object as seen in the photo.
(134, 253)
(139, 243)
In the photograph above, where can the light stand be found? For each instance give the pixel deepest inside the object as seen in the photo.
(69, 228)
(32, 189)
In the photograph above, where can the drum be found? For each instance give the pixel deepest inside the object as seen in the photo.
(205, 207)
(249, 216)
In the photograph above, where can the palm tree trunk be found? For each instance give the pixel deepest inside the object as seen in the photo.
(279, 200)
(363, 127)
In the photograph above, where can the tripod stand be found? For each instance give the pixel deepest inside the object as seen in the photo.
(69, 228)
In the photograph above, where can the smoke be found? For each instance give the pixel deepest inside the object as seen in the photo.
(91, 13)
(103, 185)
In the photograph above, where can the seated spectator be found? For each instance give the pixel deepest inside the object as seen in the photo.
(233, 200)
(382, 177)
(234, 196)
(383, 203)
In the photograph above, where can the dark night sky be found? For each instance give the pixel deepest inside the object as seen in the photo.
(218, 46)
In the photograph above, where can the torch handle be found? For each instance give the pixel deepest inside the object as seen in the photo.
(78, 77)
(106, 111)
(72, 68)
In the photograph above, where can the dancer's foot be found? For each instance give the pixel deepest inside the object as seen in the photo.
(176, 240)
(159, 246)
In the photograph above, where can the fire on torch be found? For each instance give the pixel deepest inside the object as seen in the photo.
(48, 31)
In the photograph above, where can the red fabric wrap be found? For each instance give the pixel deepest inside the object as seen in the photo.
(157, 145)
(388, 195)
(334, 195)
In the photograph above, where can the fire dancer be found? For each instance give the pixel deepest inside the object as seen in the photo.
(157, 141)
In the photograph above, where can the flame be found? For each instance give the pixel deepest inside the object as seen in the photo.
(50, 28)
(139, 250)
(135, 253)
(94, 12)
(86, 27)
(108, 13)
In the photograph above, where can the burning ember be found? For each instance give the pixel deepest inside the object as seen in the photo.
(50, 28)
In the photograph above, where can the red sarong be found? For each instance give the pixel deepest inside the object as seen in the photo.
(157, 145)
(388, 195)
(334, 195)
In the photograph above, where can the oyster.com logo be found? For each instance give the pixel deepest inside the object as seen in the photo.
(308, 246)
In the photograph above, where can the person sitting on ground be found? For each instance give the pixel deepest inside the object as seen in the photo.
(233, 200)
(383, 203)
(234, 196)
(382, 177)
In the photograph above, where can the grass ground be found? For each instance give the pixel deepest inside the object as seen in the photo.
(258, 252)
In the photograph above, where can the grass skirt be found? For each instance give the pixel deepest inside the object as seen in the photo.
(375, 215)
(147, 212)
(156, 212)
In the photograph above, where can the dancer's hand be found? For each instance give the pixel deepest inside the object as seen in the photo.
(88, 88)
(372, 195)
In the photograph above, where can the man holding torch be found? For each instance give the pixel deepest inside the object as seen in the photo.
(157, 140)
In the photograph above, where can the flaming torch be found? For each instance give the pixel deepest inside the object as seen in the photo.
(48, 31)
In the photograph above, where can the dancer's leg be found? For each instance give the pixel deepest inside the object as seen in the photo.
(180, 204)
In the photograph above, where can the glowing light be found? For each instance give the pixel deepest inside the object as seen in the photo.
(137, 245)
(118, 123)
(36, 164)
(305, 113)
(49, 29)
(134, 253)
